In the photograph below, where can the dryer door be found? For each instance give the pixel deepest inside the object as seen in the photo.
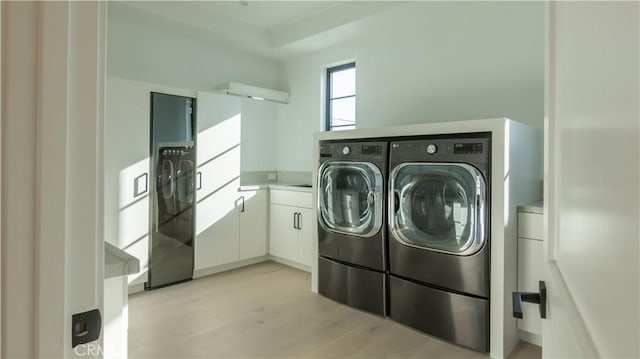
(438, 207)
(350, 198)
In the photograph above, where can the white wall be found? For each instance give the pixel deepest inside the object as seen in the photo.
(259, 119)
(425, 62)
(152, 51)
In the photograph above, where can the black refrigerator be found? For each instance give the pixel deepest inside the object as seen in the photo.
(172, 212)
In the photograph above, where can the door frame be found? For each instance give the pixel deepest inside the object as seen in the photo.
(550, 192)
(52, 163)
(569, 109)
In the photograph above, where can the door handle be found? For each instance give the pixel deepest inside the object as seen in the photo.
(396, 201)
(199, 176)
(140, 186)
(539, 298)
(296, 220)
(371, 199)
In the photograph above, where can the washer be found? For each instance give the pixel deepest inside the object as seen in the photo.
(351, 226)
(439, 236)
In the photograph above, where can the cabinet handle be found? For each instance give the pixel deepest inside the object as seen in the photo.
(242, 208)
(294, 220)
(299, 215)
(137, 191)
(199, 178)
(539, 298)
(396, 201)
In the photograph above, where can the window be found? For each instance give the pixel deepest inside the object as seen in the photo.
(341, 97)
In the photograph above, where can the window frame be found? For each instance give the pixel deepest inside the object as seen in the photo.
(329, 99)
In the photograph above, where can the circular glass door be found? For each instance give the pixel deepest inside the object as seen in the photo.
(350, 198)
(438, 206)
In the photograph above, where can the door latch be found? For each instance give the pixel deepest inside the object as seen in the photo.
(539, 298)
(85, 327)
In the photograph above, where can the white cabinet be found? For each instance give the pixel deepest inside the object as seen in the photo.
(219, 217)
(239, 233)
(253, 223)
(218, 178)
(530, 272)
(305, 236)
(126, 161)
(290, 236)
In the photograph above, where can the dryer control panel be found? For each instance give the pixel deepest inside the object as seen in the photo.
(473, 150)
(371, 151)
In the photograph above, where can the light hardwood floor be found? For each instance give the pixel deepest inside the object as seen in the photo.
(267, 311)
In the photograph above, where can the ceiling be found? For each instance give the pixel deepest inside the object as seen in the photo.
(274, 29)
(266, 14)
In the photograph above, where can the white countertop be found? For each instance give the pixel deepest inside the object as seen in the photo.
(535, 207)
(296, 187)
(118, 262)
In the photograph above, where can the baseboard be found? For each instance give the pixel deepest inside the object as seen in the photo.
(225, 267)
(290, 263)
(136, 288)
(535, 339)
(139, 287)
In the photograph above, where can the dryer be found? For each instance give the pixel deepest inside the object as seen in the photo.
(439, 236)
(351, 225)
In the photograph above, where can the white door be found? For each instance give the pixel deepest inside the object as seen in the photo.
(126, 179)
(253, 224)
(305, 236)
(218, 120)
(592, 182)
(283, 238)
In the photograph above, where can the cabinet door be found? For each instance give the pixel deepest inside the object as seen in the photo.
(126, 162)
(253, 224)
(217, 221)
(530, 270)
(283, 240)
(218, 179)
(218, 119)
(305, 236)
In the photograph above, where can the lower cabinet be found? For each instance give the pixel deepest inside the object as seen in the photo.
(231, 227)
(530, 271)
(217, 228)
(291, 223)
(253, 224)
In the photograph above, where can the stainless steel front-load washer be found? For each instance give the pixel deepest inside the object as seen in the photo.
(439, 236)
(351, 226)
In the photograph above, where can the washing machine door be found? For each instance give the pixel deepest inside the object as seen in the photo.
(438, 207)
(350, 198)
